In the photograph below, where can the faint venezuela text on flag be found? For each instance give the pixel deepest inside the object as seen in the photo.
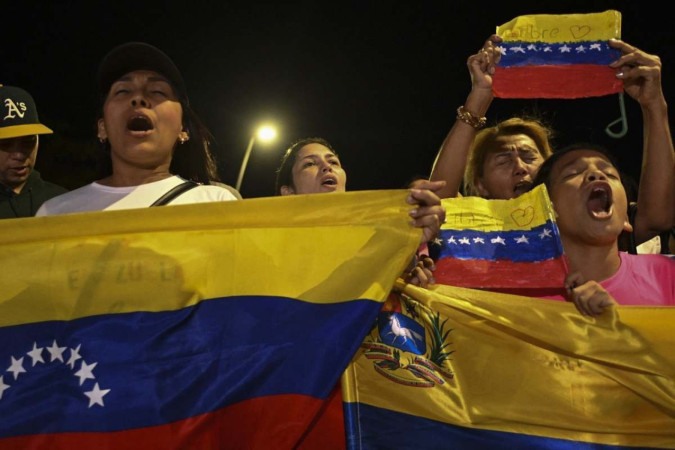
(209, 326)
(469, 369)
(558, 56)
(500, 243)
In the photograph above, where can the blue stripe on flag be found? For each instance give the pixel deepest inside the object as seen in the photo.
(377, 428)
(538, 244)
(164, 366)
(516, 54)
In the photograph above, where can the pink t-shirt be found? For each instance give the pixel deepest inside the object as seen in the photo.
(647, 280)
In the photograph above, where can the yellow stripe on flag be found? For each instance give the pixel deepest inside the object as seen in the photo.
(316, 248)
(562, 27)
(525, 212)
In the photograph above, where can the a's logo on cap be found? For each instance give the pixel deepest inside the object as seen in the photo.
(14, 108)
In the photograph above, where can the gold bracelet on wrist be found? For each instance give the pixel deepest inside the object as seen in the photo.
(470, 119)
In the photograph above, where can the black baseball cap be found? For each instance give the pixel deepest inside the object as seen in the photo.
(132, 56)
(19, 116)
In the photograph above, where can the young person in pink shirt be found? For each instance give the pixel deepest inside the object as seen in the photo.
(591, 205)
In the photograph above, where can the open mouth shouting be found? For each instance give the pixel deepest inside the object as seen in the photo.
(522, 187)
(140, 124)
(600, 201)
(329, 181)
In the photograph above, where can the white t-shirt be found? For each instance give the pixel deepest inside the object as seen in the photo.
(97, 197)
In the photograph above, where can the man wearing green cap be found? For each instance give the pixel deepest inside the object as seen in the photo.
(22, 190)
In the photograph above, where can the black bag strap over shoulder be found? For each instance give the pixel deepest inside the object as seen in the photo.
(175, 192)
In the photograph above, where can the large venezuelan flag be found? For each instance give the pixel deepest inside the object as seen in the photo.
(558, 56)
(500, 243)
(209, 326)
(457, 368)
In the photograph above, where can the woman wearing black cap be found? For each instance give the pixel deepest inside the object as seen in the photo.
(157, 144)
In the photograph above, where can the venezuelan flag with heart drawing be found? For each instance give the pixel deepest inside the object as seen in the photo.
(504, 244)
(558, 56)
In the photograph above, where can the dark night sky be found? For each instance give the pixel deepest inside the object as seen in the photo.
(379, 80)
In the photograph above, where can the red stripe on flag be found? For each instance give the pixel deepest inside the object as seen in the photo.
(569, 81)
(480, 273)
(278, 422)
(328, 432)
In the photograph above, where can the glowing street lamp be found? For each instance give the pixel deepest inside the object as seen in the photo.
(265, 133)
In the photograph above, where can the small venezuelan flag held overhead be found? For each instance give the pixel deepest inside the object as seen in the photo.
(558, 56)
(500, 243)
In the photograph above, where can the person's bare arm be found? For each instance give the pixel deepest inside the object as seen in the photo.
(453, 155)
(641, 74)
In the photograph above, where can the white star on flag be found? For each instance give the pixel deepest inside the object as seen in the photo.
(438, 241)
(74, 356)
(498, 240)
(518, 49)
(96, 395)
(580, 49)
(464, 241)
(565, 49)
(86, 372)
(36, 354)
(545, 234)
(452, 240)
(16, 367)
(478, 240)
(3, 386)
(56, 352)
(522, 240)
(596, 46)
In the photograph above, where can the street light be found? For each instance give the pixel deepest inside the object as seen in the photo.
(265, 133)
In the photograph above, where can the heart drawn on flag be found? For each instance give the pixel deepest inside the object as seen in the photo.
(523, 216)
(579, 31)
